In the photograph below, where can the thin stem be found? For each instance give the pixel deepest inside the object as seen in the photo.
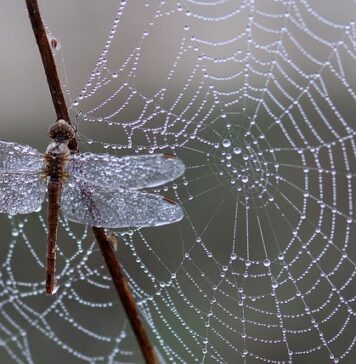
(49, 65)
(123, 289)
(105, 245)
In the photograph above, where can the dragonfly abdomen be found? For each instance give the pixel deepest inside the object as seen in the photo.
(56, 160)
(54, 190)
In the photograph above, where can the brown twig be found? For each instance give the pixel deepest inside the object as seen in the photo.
(122, 288)
(49, 65)
(105, 245)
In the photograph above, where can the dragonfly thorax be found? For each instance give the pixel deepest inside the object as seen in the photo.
(56, 160)
(56, 149)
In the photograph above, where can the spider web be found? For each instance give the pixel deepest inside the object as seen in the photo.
(257, 98)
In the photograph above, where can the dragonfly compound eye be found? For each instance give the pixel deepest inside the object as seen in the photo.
(61, 131)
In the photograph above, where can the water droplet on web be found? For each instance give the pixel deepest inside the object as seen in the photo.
(233, 256)
(266, 262)
(280, 256)
(226, 143)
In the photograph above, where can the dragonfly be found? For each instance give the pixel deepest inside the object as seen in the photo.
(99, 190)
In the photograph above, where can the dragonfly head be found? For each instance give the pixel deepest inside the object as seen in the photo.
(61, 132)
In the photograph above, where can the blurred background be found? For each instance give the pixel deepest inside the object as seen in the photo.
(257, 98)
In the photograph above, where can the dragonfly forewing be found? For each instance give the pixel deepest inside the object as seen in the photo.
(87, 204)
(21, 192)
(132, 172)
(17, 157)
(21, 189)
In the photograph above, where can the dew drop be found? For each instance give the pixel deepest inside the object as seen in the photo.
(280, 256)
(266, 262)
(226, 143)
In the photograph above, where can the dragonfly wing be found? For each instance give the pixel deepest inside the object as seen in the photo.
(133, 172)
(17, 157)
(88, 204)
(21, 192)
